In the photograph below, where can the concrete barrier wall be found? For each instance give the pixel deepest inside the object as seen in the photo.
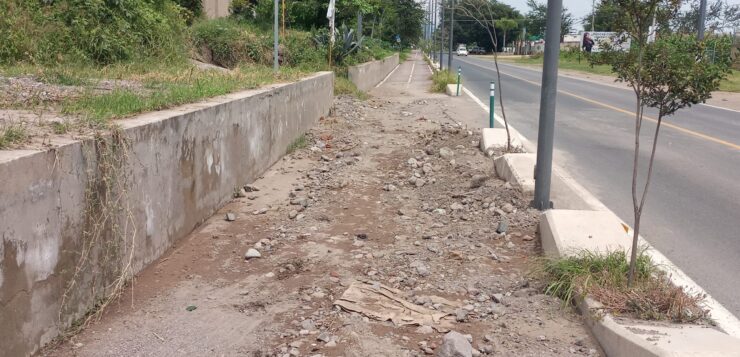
(365, 76)
(216, 8)
(180, 166)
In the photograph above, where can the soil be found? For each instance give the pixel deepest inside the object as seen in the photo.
(351, 207)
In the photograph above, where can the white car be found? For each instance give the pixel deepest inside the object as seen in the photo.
(462, 50)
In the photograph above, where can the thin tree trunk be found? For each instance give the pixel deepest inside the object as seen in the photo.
(635, 206)
(637, 209)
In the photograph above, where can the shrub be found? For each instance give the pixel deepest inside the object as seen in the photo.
(441, 79)
(227, 42)
(193, 9)
(99, 31)
(604, 277)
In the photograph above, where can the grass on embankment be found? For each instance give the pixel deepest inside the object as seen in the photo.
(731, 83)
(11, 134)
(604, 277)
(165, 90)
(564, 63)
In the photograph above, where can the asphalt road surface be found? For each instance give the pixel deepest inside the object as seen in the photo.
(692, 213)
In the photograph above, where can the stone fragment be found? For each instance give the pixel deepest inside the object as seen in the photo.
(252, 253)
(455, 344)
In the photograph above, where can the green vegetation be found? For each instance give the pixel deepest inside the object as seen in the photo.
(604, 277)
(440, 80)
(343, 86)
(731, 83)
(11, 134)
(568, 60)
(125, 57)
(297, 144)
(165, 92)
(90, 31)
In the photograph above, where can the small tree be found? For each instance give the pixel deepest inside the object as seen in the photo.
(482, 11)
(505, 25)
(668, 74)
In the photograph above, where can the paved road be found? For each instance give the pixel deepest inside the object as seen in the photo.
(692, 213)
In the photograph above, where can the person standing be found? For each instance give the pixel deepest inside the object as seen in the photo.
(588, 43)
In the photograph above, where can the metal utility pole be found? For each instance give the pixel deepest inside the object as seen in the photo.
(593, 14)
(702, 19)
(548, 96)
(429, 19)
(434, 28)
(452, 33)
(441, 32)
(276, 26)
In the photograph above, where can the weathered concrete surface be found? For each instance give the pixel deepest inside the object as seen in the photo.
(181, 165)
(643, 340)
(566, 232)
(517, 169)
(365, 76)
(216, 8)
(451, 90)
(495, 139)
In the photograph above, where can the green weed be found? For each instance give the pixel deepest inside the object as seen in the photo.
(604, 277)
(11, 134)
(297, 144)
(98, 109)
(343, 86)
(441, 79)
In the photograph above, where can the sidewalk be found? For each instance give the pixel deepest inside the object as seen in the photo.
(390, 212)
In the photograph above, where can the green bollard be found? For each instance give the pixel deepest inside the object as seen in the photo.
(459, 70)
(492, 104)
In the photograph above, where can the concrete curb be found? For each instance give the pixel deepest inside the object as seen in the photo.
(517, 169)
(639, 339)
(586, 223)
(451, 90)
(493, 139)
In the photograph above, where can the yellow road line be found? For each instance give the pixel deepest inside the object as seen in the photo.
(672, 126)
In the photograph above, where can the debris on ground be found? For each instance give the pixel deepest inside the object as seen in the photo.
(385, 236)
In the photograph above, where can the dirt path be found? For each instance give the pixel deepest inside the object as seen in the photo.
(390, 197)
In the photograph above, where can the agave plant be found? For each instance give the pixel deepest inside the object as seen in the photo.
(345, 45)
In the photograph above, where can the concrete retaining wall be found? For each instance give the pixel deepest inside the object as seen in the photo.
(365, 76)
(216, 8)
(181, 165)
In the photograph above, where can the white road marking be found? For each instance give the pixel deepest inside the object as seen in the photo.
(716, 107)
(592, 81)
(411, 75)
(388, 76)
(723, 317)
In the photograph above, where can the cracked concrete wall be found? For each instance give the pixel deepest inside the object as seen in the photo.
(183, 165)
(365, 76)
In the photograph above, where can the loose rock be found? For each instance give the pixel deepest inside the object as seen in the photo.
(455, 344)
(252, 253)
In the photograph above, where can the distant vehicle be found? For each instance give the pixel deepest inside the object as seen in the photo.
(462, 50)
(477, 51)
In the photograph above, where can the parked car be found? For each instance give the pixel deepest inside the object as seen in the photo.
(462, 50)
(477, 51)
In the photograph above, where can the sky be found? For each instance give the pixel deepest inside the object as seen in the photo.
(579, 8)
